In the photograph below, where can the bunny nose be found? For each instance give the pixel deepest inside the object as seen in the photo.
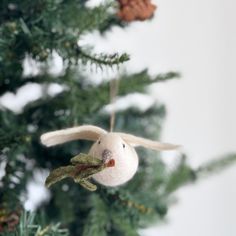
(106, 155)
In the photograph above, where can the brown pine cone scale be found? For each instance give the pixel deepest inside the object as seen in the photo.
(131, 10)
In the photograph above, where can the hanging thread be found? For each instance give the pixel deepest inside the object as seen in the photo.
(114, 84)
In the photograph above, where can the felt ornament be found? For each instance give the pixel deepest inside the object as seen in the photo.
(109, 147)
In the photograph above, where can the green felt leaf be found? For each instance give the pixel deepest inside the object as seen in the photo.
(84, 167)
(59, 174)
(88, 185)
(85, 159)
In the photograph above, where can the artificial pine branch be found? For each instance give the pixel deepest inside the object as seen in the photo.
(29, 225)
(183, 174)
(101, 60)
(215, 166)
(97, 222)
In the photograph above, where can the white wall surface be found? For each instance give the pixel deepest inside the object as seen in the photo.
(197, 38)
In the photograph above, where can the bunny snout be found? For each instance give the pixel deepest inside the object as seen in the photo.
(106, 155)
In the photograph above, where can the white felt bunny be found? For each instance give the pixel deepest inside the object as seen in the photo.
(107, 146)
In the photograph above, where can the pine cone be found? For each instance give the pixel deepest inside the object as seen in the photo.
(131, 10)
(8, 220)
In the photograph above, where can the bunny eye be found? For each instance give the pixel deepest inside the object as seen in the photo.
(123, 145)
(99, 141)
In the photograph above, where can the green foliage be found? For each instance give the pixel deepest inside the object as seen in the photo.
(37, 28)
(103, 59)
(180, 175)
(216, 165)
(183, 174)
(97, 221)
(32, 225)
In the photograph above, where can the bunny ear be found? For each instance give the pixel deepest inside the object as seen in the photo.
(147, 143)
(86, 132)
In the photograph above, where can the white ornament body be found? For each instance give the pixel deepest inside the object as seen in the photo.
(107, 146)
(112, 146)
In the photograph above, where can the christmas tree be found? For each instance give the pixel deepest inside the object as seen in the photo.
(35, 32)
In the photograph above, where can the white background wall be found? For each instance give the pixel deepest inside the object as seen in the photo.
(198, 39)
